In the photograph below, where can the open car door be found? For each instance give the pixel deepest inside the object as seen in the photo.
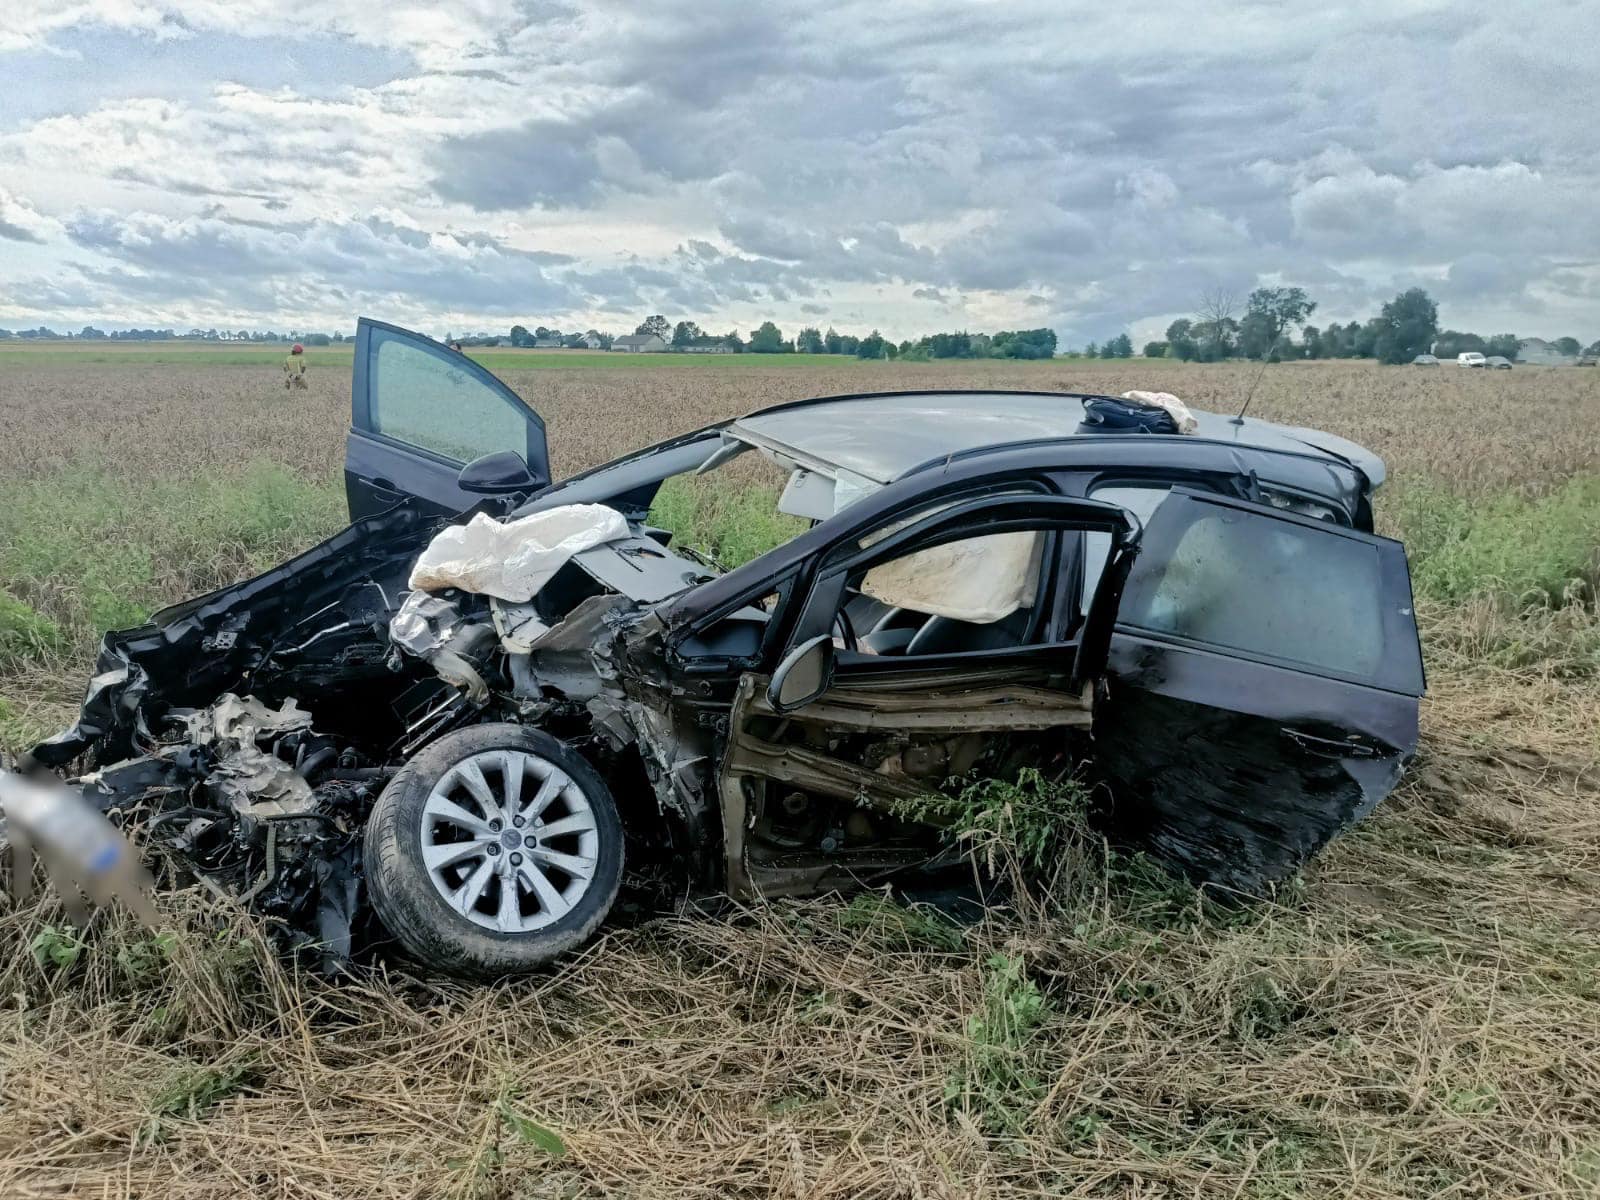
(419, 412)
(1261, 689)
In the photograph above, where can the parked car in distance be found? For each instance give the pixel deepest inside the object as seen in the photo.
(1470, 358)
(1495, 363)
(1424, 360)
(1587, 360)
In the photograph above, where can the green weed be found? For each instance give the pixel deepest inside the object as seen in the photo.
(1000, 1079)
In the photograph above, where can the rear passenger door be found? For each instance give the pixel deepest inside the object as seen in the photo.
(1261, 688)
(419, 412)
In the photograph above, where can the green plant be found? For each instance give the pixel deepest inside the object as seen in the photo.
(1000, 1080)
(1030, 820)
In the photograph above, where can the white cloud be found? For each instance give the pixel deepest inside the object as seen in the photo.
(916, 162)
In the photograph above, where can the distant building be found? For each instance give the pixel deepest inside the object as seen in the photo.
(715, 348)
(590, 341)
(547, 343)
(640, 343)
(1540, 353)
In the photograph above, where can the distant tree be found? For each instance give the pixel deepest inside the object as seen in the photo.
(1155, 349)
(809, 341)
(89, 331)
(950, 345)
(768, 339)
(1407, 326)
(1215, 329)
(318, 339)
(1567, 345)
(657, 325)
(1452, 342)
(1120, 346)
(520, 336)
(687, 333)
(1506, 345)
(1180, 330)
(1269, 314)
(872, 346)
(733, 341)
(1092, 350)
(1594, 347)
(1364, 338)
(1023, 343)
(832, 343)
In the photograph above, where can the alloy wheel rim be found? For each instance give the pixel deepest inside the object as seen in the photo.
(509, 840)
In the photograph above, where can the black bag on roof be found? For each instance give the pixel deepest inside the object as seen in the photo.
(1107, 414)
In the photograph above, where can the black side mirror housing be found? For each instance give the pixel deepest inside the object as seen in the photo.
(497, 474)
(803, 675)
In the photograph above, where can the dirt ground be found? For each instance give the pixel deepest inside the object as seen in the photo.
(1418, 1015)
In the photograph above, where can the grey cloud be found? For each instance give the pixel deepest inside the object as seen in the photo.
(17, 233)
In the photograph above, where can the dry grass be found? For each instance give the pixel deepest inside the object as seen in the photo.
(1419, 1016)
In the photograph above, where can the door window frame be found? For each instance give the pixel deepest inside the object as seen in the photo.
(980, 516)
(1400, 667)
(371, 334)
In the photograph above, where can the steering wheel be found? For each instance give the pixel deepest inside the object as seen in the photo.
(846, 631)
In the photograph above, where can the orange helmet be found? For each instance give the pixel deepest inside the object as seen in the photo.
(298, 349)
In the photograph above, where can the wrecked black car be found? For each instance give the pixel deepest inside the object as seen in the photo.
(471, 710)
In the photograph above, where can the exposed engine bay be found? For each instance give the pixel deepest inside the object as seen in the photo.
(261, 792)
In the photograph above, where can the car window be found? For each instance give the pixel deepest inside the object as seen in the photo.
(1269, 587)
(1140, 499)
(423, 397)
(973, 594)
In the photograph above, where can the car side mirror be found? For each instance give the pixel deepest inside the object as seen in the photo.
(803, 675)
(497, 474)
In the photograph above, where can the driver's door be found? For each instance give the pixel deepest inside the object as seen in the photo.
(419, 412)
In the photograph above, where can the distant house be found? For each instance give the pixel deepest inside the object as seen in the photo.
(1540, 353)
(713, 348)
(640, 343)
(547, 343)
(590, 341)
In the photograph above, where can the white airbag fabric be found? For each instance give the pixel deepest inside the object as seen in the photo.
(1177, 408)
(980, 579)
(512, 560)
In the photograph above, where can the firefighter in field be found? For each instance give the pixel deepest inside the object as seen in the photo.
(294, 368)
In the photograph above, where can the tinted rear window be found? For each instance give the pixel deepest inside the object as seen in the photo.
(1274, 588)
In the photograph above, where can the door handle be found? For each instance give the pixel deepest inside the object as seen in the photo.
(1330, 747)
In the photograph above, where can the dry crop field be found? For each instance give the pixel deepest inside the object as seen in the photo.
(1418, 1015)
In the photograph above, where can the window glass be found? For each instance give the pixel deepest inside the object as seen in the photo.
(1142, 501)
(1263, 586)
(425, 399)
(977, 593)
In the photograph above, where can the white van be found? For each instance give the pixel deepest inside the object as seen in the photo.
(1470, 359)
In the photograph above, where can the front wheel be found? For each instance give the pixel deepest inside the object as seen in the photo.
(493, 850)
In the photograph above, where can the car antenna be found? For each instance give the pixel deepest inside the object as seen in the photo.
(1239, 420)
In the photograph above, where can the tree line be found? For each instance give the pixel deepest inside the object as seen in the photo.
(1273, 325)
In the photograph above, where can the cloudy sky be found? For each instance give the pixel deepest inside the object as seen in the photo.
(907, 164)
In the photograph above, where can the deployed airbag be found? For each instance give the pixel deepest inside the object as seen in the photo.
(512, 560)
(979, 579)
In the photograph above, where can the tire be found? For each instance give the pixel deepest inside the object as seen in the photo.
(434, 811)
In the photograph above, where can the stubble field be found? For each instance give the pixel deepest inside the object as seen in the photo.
(1418, 1015)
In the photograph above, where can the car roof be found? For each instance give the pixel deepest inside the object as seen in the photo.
(885, 435)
